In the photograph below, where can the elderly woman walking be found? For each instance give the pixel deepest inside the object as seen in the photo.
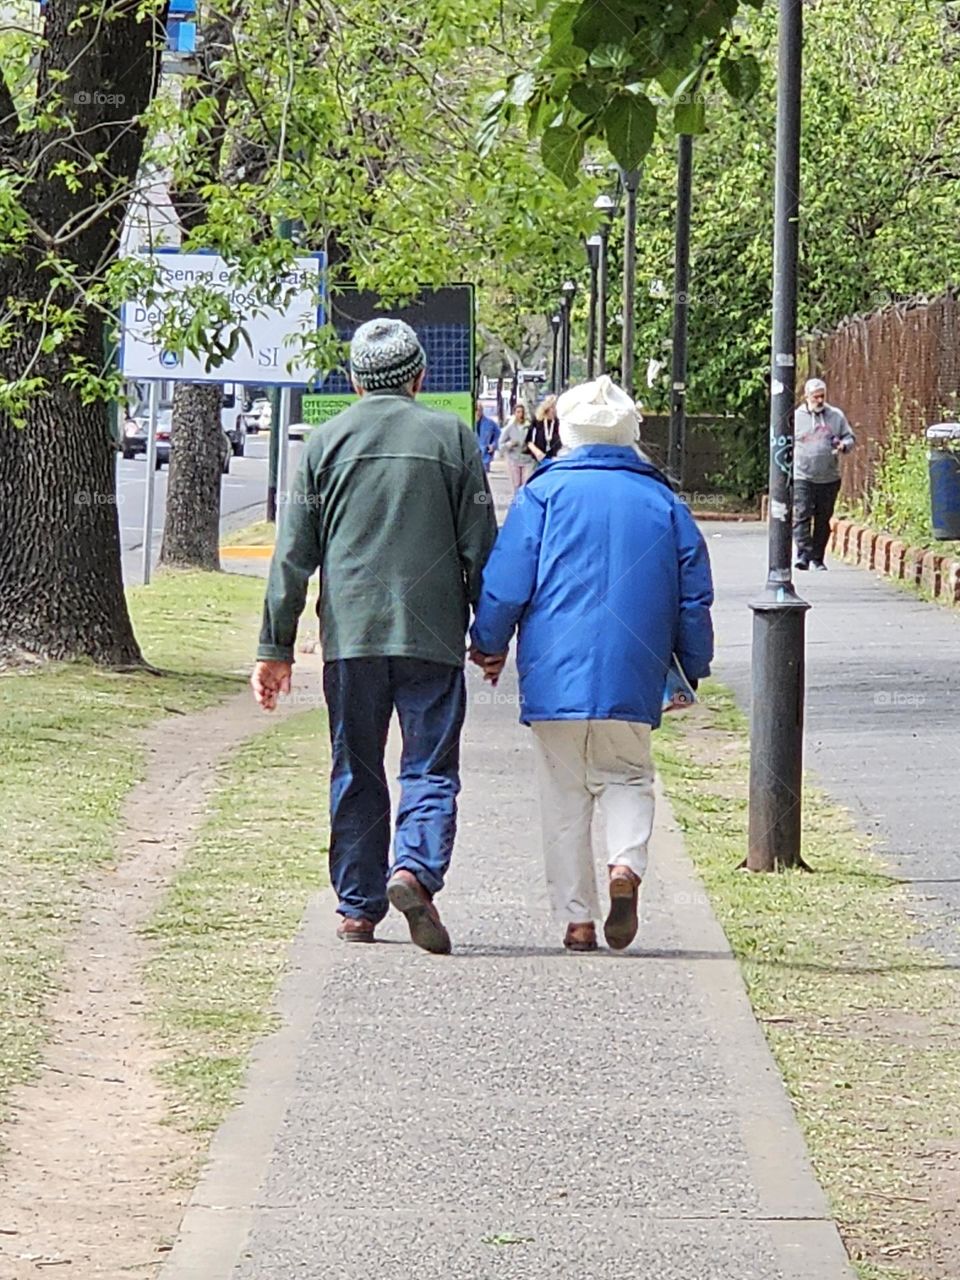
(513, 447)
(604, 571)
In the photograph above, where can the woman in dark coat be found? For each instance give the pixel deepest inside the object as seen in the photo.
(543, 438)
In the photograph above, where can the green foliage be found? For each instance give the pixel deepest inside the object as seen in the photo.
(899, 499)
(356, 124)
(600, 66)
(880, 201)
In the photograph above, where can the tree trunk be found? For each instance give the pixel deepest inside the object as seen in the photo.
(61, 586)
(191, 531)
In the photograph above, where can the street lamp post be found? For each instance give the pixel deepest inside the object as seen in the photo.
(605, 205)
(555, 323)
(594, 247)
(564, 325)
(568, 289)
(681, 304)
(776, 728)
(630, 178)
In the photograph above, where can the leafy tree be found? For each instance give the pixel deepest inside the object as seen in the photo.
(879, 202)
(356, 121)
(71, 136)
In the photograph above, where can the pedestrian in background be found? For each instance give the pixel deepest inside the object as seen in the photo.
(513, 447)
(821, 434)
(488, 436)
(390, 502)
(543, 438)
(606, 574)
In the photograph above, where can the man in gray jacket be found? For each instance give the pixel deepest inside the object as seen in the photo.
(821, 434)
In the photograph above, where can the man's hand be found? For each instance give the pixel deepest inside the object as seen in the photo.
(491, 663)
(269, 680)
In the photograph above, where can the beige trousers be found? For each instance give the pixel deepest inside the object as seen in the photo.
(585, 766)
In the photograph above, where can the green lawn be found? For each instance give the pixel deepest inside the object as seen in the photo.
(862, 1020)
(221, 935)
(69, 754)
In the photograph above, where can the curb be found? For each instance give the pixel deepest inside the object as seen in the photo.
(729, 517)
(246, 553)
(937, 575)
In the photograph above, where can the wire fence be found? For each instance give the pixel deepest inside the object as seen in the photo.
(898, 368)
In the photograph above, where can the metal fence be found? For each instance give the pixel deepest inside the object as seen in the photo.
(899, 367)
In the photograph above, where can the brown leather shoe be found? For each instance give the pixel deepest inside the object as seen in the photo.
(356, 929)
(407, 894)
(622, 922)
(581, 937)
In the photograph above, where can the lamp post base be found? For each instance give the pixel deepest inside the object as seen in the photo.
(776, 729)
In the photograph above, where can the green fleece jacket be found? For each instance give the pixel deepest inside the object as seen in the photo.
(390, 502)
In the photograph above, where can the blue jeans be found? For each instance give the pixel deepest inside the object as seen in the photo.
(430, 698)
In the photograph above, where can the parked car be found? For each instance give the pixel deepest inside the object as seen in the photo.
(258, 416)
(237, 435)
(135, 440)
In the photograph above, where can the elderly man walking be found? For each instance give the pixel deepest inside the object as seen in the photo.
(821, 434)
(391, 503)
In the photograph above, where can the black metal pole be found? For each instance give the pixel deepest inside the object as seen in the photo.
(602, 302)
(568, 317)
(564, 346)
(681, 305)
(776, 733)
(554, 383)
(631, 181)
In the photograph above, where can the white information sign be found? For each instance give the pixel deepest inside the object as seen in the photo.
(262, 356)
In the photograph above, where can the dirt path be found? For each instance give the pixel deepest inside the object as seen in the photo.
(95, 1181)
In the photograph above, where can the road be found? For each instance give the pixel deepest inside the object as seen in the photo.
(243, 496)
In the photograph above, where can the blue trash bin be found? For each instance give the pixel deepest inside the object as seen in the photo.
(944, 464)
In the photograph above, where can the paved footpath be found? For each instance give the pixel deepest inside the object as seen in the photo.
(882, 709)
(512, 1112)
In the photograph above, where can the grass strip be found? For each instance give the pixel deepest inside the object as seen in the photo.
(260, 534)
(221, 936)
(70, 752)
(862, 1019)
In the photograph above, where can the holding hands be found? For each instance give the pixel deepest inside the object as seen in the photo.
(492, 664)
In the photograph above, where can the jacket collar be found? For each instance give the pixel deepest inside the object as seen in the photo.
(602, 457)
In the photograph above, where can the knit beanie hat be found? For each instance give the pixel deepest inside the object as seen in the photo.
(384, 354)
(597, 413)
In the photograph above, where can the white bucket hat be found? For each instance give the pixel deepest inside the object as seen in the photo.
(597, 413)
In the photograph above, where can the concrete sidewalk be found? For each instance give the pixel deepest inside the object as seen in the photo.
(512, 1111)
(882, 709)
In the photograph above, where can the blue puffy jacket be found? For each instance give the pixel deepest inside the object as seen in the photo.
(607, 576)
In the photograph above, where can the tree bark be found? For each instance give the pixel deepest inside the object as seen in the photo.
(191, 531)
(61, 586)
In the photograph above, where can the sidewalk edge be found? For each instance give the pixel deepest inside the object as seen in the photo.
(220, 1212)
(792, 1201)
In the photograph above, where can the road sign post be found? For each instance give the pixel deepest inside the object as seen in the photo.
(151, 460)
